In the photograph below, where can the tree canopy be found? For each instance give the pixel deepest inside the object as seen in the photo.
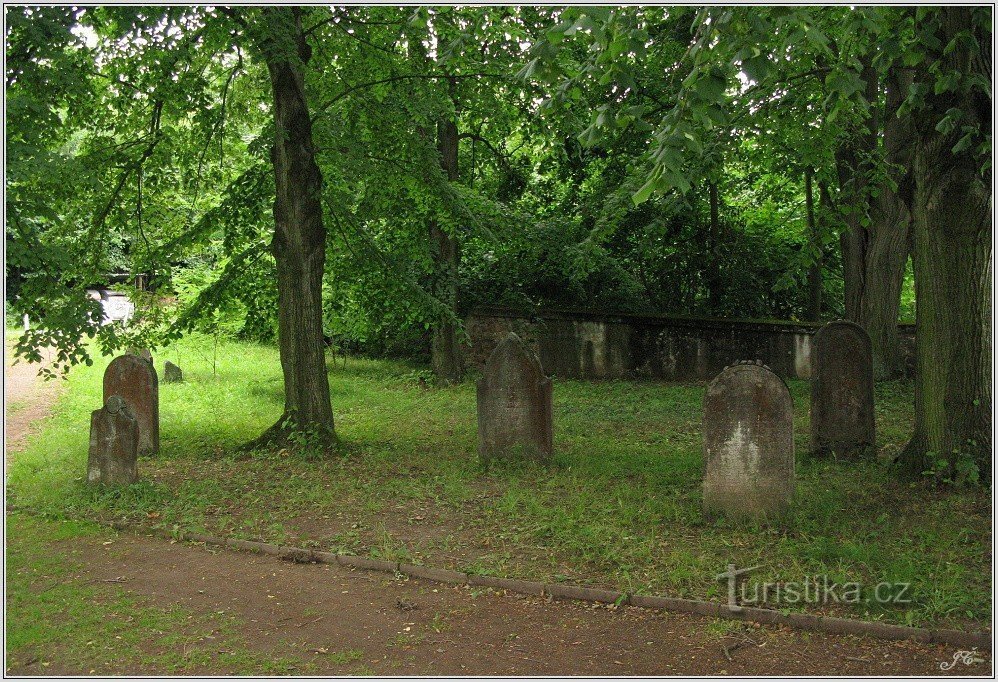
(365, 176)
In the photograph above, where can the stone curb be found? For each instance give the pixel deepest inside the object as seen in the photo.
(801, 621)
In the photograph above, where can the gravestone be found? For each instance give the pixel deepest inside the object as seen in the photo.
(748, 443)
(114, 440)
(172, 373)
(143, 353)
(134, 379)
(514, 405)
(842, 421)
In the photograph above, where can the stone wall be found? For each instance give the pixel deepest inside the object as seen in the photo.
(581, 345)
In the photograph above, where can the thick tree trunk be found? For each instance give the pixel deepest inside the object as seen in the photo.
(814, 283)
(890, 236)
(445, 348)
(299, 243)
(952, 223)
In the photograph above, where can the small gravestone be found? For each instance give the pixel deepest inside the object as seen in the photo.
(143, 353)
(172, 373)
(514, 405)
(135, 381)
(748, 444)
(842, 422)
(114, 440)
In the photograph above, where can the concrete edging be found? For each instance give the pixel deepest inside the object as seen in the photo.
(801, 621)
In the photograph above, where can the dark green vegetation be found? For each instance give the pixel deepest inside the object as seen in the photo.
(620, 507)
(366, 174)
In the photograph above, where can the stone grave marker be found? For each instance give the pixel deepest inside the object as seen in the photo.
(134, 380)
(172, 373)
(842, 421)
(514, 405)
(748, 444)
(143, 353)
(114, 440)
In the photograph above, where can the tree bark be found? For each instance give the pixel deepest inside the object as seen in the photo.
(814, 283)
(445, 347)
(889, 239)
(952, 223)
(853, 163)
(713, 273)
(299, 243)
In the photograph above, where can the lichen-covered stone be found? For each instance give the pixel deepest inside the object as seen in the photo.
(134, 380)
(171, 373)
(842, 419)
(514, 405)
(114, 438)
(748, 444)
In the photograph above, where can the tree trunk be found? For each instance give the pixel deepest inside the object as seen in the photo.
(299, 243)
(814, 283)
(889, 241)
(713, 252)
(445, 347)
(853, 162)
(952, 223)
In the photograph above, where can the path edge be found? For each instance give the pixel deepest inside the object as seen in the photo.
(800, 621)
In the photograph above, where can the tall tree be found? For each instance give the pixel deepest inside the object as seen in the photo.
(299, 244)
(888, 243)
(951, 210)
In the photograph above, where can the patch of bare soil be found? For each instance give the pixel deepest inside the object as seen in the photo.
(27, 399)
(397, 626)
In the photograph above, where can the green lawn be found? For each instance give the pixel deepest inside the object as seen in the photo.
(620, 507)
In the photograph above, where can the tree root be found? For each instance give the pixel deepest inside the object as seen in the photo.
(287, 434)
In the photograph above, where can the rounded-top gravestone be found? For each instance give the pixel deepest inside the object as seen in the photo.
(748, 444)
(514, 404)
(842, 419)
(114, 436)
(134, 380)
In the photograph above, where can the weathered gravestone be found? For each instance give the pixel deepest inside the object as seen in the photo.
(114, 440)
(842, 422)
(514, 405)
(143, 353)
(134, 379)
(171, 373)
(748, 443)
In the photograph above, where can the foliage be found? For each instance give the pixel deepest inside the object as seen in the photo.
(153, 158)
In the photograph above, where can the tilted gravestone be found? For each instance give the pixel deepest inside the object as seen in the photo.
(114, 440)
(514, 405)
(842, 421)
(171, 373)
(135, 381)
(748, 444)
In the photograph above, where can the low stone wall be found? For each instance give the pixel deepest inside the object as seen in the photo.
(581, 345)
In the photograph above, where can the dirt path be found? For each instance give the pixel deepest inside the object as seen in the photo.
(27, 399)
(410, 627)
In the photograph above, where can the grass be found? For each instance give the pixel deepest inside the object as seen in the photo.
(619, 507)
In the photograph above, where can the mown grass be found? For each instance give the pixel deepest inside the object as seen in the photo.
(619, 507)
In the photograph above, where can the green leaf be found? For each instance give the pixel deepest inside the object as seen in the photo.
(645, 192)
(711, 87)
(756, 68)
